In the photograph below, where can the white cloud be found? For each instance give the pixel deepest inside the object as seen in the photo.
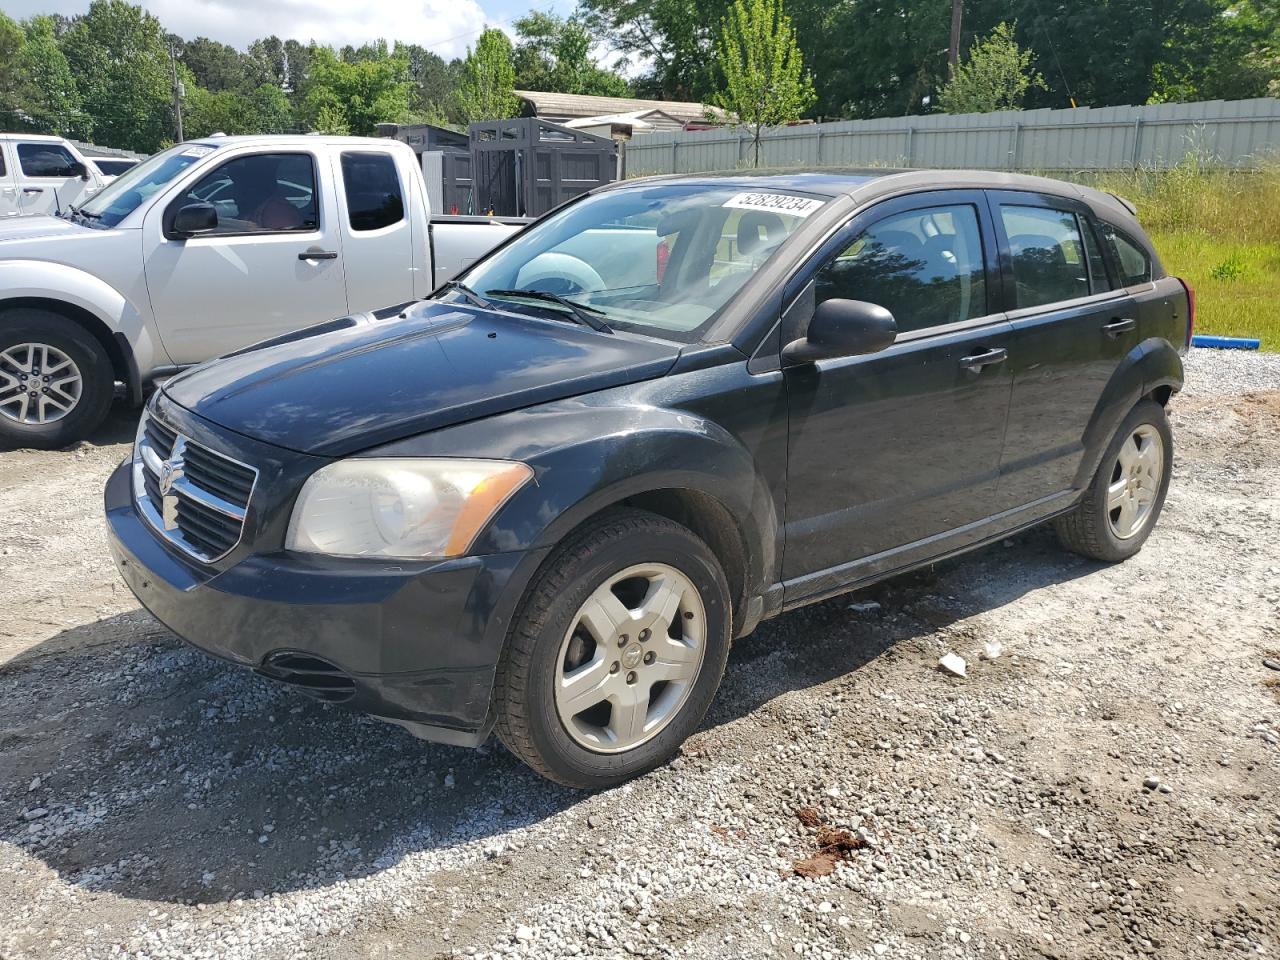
(446, 27)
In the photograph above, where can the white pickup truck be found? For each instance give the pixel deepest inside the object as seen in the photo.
(201, 250)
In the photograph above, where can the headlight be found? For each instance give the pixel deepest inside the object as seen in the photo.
(404, 509)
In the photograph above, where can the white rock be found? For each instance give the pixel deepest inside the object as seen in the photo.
(992, 650)
(953, 663)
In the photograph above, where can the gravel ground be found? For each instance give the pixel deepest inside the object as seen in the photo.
(1103, 782)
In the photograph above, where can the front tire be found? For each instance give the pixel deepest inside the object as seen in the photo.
(56, 380)
(1124, 500)
(616, 653)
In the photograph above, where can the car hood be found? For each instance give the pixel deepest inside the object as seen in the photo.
(40, 227)
(335, 392)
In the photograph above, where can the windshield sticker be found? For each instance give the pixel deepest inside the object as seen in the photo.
(777, 202)
(198, 151)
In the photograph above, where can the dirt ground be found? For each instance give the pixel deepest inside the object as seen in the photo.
(1104, 782)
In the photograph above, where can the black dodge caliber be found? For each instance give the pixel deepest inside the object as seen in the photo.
(545, 499)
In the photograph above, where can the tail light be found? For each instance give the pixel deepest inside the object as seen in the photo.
(1191, 309)
(662, 255)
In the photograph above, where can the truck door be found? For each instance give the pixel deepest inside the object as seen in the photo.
(377, 242)
(8, 186)
(272, 264)
(47, 178)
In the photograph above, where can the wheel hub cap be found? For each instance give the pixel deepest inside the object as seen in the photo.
(38, 384)
(630, 658)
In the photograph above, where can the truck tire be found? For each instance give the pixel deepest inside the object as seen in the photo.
(616, 652)
(1123, 502)
(56, 381)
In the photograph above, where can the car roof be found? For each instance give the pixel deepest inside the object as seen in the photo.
(291, 138)
(867, 184)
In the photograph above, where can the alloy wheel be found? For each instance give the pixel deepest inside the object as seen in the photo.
(1135, 482)
(630, 658)
(38, 383)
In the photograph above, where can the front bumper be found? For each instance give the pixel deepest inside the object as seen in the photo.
(419, 642)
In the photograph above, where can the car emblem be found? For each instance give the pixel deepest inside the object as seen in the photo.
(171, 471)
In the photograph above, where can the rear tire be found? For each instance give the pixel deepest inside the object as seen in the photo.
(65, 400)
(616, 652)
(1124, 500)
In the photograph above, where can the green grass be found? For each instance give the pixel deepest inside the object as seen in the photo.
(1220, 231)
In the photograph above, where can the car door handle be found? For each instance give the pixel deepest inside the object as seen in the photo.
(318, 255)
(33, 189)
(1119, 326)
(985, 358)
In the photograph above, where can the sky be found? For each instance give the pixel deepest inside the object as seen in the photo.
(446, 27)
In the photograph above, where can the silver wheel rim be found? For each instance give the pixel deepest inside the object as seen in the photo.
(630, 658)
(38, 383)
(1135, 482)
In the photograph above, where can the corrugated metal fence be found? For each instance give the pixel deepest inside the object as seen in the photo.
(1233, 133)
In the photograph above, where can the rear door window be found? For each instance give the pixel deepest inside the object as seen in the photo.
(1134, 263)
(925, 267)
(1048, 255)
(46, 160)
(374, 197)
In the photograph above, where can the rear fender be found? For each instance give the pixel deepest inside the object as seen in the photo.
(1150, 365)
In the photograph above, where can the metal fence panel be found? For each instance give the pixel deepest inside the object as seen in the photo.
(1235, 133)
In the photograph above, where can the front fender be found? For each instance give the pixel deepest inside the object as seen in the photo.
(60, 283)
(588, 456)
(1150, 365)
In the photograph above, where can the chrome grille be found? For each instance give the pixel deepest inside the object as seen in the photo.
(192, 496)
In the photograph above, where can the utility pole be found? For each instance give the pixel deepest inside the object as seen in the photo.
(953, 50)
(178, 91)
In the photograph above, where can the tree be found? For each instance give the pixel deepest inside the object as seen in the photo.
(554, 55)
(217, 66)
(765, 80)
(118, 56)
(11, 41)
(676, 39)
(488, 77)
(44, 87)
(356, 95)
(996, 76)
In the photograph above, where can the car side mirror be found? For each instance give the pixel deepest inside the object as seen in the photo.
(195, 218)
(843, 328)
(78, 169)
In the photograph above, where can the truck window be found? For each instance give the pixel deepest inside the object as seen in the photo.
(374, 197)
(261, 193)
(1135, 265)
(46, 160)
(925, 267)
(1048, 255)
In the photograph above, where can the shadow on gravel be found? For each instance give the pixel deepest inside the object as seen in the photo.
(152, 771)
(119, 427)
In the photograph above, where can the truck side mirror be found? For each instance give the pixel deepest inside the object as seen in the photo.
(843, 328)
(78, 169)
(195, 218)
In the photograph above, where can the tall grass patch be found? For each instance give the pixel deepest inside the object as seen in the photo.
(1220, 231)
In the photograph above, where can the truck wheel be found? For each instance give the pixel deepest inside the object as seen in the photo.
(1122, 504)
(56, 381)
(616, 653)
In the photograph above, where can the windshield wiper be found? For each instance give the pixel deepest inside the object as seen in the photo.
(470, 295)
(580, 311)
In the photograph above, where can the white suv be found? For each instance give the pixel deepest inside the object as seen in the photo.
(40, 174)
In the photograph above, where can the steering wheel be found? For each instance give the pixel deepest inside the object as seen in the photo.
(559, 273)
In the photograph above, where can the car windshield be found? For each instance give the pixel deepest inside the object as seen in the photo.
(662, 260)
(125, 194)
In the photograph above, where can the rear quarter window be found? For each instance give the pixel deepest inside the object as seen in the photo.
(1130, 256)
